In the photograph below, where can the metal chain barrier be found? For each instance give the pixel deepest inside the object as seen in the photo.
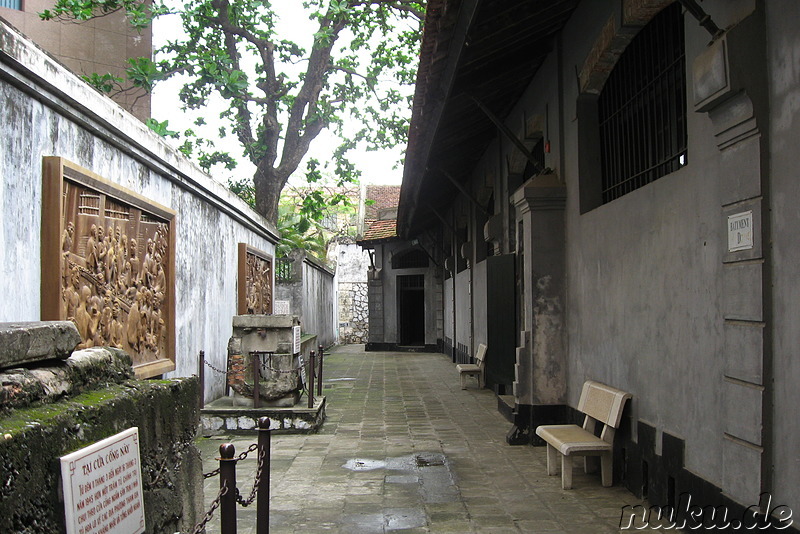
(201, 526)
(214, 368)
(210, 474)
(250, 449)
(227, 473)
(264, 366)
(268, 367)
(247, 502)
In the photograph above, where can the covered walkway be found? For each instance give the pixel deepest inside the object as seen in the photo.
(405, 449)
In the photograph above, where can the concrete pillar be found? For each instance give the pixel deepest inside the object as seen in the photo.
(729, 86)
(541, 351)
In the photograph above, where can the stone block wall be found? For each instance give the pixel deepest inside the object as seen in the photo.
(353, 312)
(53, 407)
(35, 437)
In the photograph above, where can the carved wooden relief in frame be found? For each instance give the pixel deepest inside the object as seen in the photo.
(108, 265)
(255, 281)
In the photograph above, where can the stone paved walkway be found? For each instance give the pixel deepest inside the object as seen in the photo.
(404, 449)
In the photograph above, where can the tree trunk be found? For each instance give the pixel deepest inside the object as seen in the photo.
(268, 186)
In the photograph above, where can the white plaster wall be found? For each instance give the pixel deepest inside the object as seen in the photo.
(448, 309)
(480, 300)
(463, 309)
(319, 297)
(352, 263)
(46, 111)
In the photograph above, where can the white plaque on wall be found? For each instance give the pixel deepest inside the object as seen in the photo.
(102, 486)
(302, 364)
(295, 339)
(280, 307)
(740, 231)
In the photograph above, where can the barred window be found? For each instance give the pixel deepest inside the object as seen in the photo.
(11, 4)
(642, 108)
(410, 259)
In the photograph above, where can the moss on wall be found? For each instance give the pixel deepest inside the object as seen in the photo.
(34, 438)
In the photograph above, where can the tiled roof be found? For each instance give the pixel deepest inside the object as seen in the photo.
(380, 230)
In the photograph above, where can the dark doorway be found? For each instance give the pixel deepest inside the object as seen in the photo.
(411, 304)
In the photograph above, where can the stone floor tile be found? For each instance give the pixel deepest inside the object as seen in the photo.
(441, 461)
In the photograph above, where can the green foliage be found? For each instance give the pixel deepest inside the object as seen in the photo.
(305, 215)
(244, 189)
(296, 233)
(358, 61)
(105, 83)
(138, 13)
(144, 73)
(161, 128)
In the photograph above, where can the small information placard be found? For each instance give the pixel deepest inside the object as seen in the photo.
(295, 339)
(102, 486)
(280, 307)
(740, 231)
(302, 364)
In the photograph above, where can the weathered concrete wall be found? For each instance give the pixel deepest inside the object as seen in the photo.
(656, 304)
(319, 297)
(480, 306)
(783, 50)
(47, 111)
(463, 309)
(648, 307)
(311, 294)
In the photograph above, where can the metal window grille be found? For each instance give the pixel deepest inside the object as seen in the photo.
(412, 259)
(284, 270)
(642, 108)
(414, 281)
(11, 4)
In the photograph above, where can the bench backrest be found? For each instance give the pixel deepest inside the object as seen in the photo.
(602, 402)
(480, 356)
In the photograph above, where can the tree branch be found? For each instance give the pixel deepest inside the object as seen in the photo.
(406, 6)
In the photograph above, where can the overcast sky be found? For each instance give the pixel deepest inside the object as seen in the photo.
(376, 166)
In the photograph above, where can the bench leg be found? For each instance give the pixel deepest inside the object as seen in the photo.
(606, 468)
(566, 472)
(552, 460)
(463, 380)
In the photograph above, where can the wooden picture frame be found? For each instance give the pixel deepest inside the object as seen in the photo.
(255, 291)
(108, 264)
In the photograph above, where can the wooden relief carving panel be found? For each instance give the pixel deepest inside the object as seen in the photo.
(110, 270)
(255, 281)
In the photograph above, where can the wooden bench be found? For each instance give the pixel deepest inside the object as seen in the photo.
(600, 403)
(473, 369)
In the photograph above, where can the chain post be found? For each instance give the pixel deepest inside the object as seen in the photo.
(227, 477)
(311, 365)
(201, 377)
(262, 508)
(319, 376)
(255, 360)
